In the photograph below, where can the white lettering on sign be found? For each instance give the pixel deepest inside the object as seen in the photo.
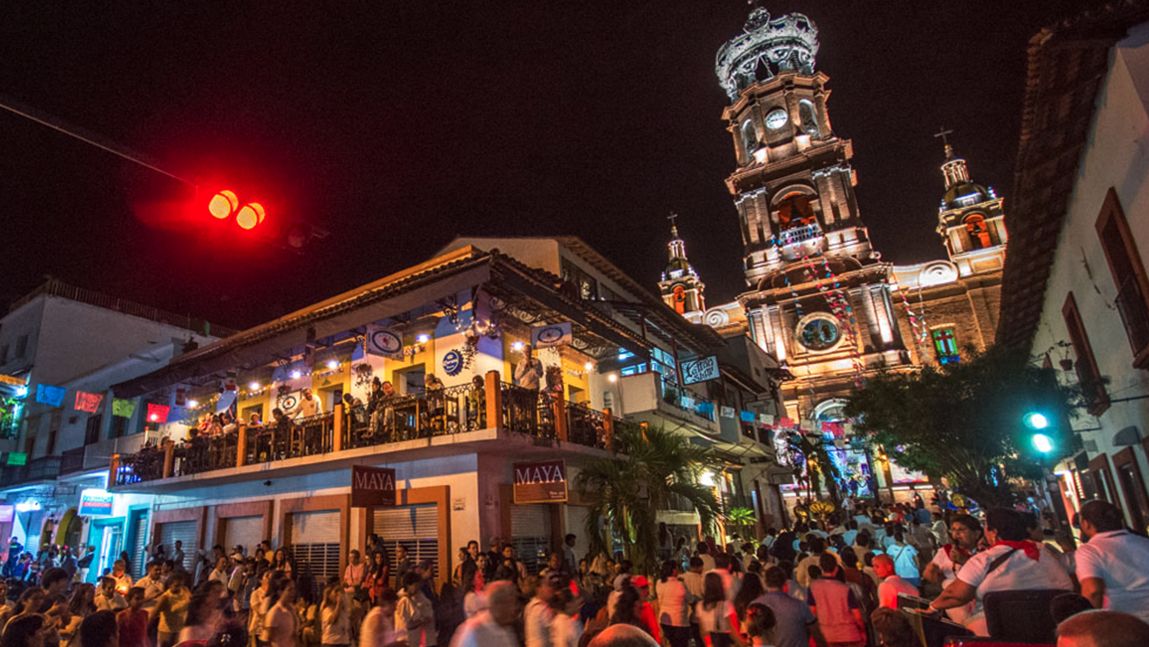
(539, 473)
(374, 481)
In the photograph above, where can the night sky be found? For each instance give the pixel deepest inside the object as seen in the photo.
(395, 126)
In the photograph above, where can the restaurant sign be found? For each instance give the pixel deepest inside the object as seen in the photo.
(372, 486)
(540, 482)
(700, 370)
(95, 502)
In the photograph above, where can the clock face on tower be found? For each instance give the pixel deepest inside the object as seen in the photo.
(776, 119)
(819, 333)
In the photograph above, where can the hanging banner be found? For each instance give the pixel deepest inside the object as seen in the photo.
(766, 419)
(226, 401)
(540, 482)
(372, 486)
(123, 408)
(551, 335)
(700, 370)
(52, 396)
(88, 402)
(785, 422)
(385, 342)
(158, 412)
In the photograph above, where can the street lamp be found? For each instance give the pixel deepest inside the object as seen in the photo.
(1037, 421)
(1042, 443)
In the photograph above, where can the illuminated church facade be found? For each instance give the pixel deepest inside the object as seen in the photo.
(818, 296)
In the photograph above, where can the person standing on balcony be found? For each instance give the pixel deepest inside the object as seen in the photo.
(433, 391)
(528, 374)
(477, 404)
(308, 407)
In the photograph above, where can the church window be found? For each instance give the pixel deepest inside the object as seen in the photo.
(978, 231)
(945, 346)
(819, 333)
(1128, 275)
(1088, 374)
(679, 299)
(749, 138)
(809, 116)
(795, 210)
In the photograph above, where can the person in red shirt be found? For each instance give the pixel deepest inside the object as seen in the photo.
(133, 621)
(646, 613)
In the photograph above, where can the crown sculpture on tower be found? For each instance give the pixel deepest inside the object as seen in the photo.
(766, 47)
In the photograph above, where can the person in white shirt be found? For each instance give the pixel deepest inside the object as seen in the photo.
(566, 629)
(948, 560)
(280, 625)
(1100, 628)
(308, 406)
(891, 585)
(378, 628)
(538, 615)
(493, 627)
(1112, 565)
(707, 559)
(673, 605)
(905, 558)
(414, 615)
(1011, 563)
(694, 583)
(335, 616)
(152, 586)
(529, 372)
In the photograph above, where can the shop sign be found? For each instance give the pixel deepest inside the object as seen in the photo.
(540, 482)
(372, 486)
(7, 513)
(549, 336)
(700, 370)
(453, 363)
(95, 502)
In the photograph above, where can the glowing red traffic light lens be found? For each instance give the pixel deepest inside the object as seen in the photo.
(250, 215)
(223, 204)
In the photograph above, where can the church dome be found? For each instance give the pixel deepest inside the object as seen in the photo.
(964, 194)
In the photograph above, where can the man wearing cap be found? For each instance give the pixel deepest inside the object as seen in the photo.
(646, 613)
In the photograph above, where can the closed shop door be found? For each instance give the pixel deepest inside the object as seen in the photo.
(138, 536)
(243, 531)
(531, 535)
(184, 531)
(415, 527)
(315, 544)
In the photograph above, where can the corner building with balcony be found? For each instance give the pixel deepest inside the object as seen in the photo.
(819, 297)
(612, 354)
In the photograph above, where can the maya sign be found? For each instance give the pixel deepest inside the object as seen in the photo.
(541, 482)
(700, 370)
(372, 486)
(95, 502)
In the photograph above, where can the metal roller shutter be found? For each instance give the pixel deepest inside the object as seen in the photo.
(243, 531)
(531, 535)
(184, 531)
(415, 527)
(315, 544)
(139, 541)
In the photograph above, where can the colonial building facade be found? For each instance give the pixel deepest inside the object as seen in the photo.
(818, 295)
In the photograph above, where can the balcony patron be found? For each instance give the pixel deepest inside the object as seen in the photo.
(308, 407)
(529, 372)
(355, 410)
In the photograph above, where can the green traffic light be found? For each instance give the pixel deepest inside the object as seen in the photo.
(1042, 443)
(1036, 420)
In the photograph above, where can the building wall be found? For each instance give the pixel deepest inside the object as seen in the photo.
(1114, 157)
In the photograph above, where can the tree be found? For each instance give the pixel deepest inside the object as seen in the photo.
(740, 518)
(964, 421)
(626, 491)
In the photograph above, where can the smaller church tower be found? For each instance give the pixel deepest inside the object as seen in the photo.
(971, 220)
(681, 288)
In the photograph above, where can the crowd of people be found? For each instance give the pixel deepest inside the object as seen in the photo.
(843, 580)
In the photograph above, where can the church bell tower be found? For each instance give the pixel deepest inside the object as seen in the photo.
(681, 287)
(971, 220)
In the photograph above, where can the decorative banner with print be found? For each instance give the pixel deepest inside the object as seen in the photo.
(384, 341)
(123, 408)
(52, 396)
(88, 402)
(551, 335)
(158, 413)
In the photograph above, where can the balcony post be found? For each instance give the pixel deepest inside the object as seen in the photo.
(114, 470)
(169, 457)
(493, 389)
(608, 429)
(241, 446)
(337, 427)
(559, 410)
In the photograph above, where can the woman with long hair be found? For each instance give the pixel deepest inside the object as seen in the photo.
(474, 598)
(81, 605)
(379, 577)
(717, 620)
(204, 619)
(673, 605)
(282, 561)
(335, 616)
(760, 623)
(749, 591)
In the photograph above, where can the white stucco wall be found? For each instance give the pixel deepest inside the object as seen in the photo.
(1116, 155)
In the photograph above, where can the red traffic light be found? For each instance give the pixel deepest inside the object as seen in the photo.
(225, 204)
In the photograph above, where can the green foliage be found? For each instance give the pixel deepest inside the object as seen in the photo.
(626, 492)
(964, 421)
(740, 517)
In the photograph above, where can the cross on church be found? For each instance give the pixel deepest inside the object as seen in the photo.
(944, 135)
